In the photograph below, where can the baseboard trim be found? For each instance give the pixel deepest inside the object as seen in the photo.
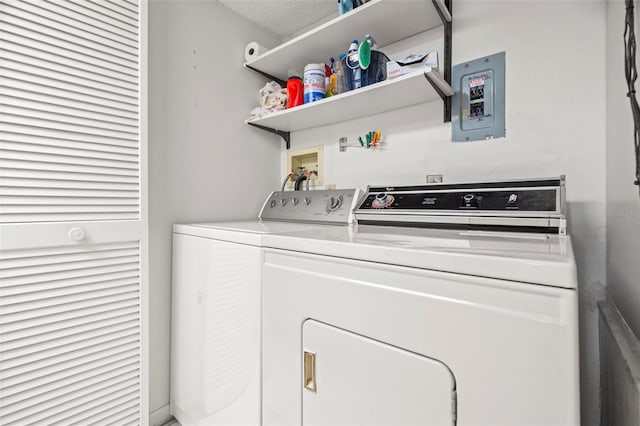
(160, 416)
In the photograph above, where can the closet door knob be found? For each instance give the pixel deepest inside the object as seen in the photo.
(76, 234)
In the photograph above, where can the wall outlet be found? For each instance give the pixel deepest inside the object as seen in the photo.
(434, 178)
(305, 159)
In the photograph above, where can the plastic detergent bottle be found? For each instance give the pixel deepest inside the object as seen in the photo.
(353, 63)
(313, 82)
(295, 92)
(327, 81)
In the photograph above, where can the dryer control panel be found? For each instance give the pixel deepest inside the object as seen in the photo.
(500, 200)
(536, 205)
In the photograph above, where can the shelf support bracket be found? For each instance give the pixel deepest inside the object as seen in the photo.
(434, 83)
(282, 83)
(446, 17)
(448, 41)
(284, 135)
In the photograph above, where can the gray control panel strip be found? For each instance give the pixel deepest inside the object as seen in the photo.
(333, 206)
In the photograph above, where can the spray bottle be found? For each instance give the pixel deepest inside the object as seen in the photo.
(339, 73)
(332, 88)
(353, 63)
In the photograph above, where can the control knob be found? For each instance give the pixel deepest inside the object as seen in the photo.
(382, 200)
(470, 200)
(295, 201)
(307, 200)
(333, 203)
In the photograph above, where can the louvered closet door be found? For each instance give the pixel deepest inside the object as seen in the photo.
(72, 215)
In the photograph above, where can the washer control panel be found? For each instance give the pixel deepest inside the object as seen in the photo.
(334, 206)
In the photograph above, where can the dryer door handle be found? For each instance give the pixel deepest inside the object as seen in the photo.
(310, 371)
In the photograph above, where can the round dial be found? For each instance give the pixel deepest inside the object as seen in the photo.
(470, 200)
(382, 201)
(334, 203)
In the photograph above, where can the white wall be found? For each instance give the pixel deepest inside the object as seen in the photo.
(555, 124)
(623, 198)
(205, 163)
(555, 91)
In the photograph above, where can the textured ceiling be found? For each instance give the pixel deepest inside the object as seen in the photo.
(284, 17)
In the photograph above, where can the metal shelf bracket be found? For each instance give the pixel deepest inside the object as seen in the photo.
(445, 96)
(282, 83)
(284, 135)
(446, 17)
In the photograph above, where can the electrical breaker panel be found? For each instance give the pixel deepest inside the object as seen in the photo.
(478, 102)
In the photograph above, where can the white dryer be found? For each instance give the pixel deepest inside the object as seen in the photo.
(215, 322)
(449, 304)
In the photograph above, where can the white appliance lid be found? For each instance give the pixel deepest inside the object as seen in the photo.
(524, 257)
(243, 232)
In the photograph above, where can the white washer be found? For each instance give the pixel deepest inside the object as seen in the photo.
(215, 343)
(404, 325)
